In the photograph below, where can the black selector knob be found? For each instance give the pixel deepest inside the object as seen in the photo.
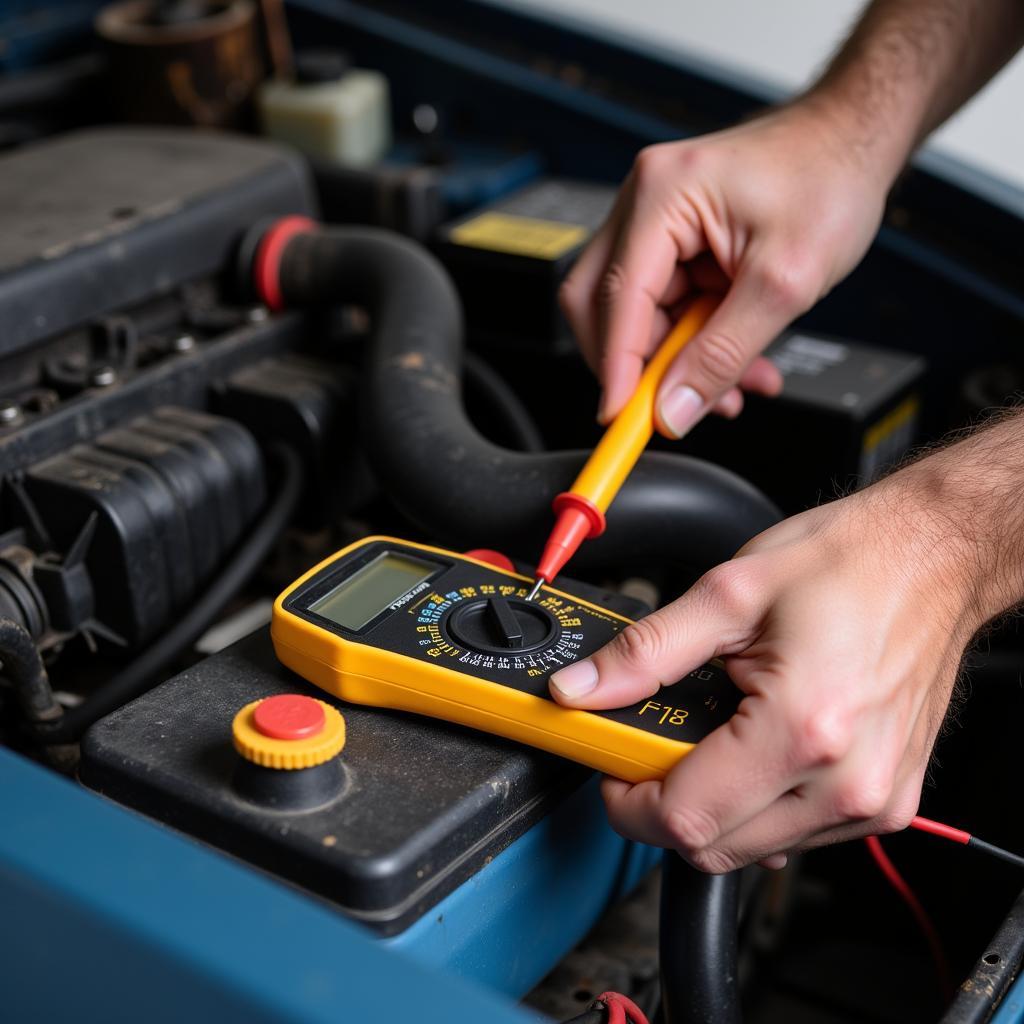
(499, 625)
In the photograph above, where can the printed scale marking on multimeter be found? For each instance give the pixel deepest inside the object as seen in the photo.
(401, 625)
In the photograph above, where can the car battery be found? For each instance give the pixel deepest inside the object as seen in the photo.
(847, 412)
(417, 806)
(522, 246)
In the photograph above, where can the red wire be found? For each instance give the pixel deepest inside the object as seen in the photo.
(899, 883)
(966, 839)
(622, 1009)
(936, 828)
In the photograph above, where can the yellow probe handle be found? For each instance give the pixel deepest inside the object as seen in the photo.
(624, 441)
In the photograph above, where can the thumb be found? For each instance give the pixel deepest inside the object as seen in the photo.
(718, 615)
(759, 305)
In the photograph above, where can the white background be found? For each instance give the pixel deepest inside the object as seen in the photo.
(785, 42)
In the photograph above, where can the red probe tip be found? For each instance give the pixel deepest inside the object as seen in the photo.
(578, 519)
(571, 529)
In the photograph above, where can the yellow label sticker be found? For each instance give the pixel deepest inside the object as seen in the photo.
(520, 236)
(890, 423)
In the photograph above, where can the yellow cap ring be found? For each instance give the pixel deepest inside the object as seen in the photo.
(288, 754)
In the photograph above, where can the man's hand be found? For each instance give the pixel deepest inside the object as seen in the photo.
(772, 213)
(775, 212)
(844, 627)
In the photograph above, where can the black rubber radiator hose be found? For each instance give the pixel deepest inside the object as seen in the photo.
(466, 491)
(698, 944)
(23, 667)
(441, 472)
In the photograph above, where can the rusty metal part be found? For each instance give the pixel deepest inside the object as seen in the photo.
(620, 954)
(279, 42)
(983, 989)
(199, 67)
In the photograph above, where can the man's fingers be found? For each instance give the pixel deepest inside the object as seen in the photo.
(782, 769)
(729, 405)
(637, 282)
(794, 824)
(762, 377)
(707, 275)
(820, 803)
(719, 614)
(899, 809)
(732, 776)
(634, 811)
(755, 309)
(778, 828)
(799, 819)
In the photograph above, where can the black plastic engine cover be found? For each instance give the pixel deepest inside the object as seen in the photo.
(171, 494)
(424, 804)
(99, 219)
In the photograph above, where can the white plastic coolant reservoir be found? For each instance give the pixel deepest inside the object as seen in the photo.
(331, 111)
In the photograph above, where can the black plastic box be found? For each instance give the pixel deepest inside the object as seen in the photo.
(426, 804)
(509, 258)
(846, 413)
(105, 217)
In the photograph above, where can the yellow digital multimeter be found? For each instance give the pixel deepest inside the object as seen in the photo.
(400, 625)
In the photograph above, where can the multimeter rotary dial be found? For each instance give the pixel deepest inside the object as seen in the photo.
(500, 625)
(420, 629)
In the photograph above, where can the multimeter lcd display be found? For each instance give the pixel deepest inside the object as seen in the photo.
(406, 626)
(365, 594)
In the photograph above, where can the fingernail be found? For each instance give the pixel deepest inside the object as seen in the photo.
(575, 680)
(775, 862)
(680, 409)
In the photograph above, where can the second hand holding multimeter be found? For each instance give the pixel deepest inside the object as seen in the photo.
(400, 625)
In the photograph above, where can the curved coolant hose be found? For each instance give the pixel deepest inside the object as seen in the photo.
(21, 664)
(446, 477)
(698, 944)
(465, 491)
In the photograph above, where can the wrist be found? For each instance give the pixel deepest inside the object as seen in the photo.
(961, 516)
(876, 148)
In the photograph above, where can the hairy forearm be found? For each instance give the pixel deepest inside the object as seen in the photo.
(964, 505)
(908, 65)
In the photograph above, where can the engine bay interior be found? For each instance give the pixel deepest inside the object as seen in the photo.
(230, 351)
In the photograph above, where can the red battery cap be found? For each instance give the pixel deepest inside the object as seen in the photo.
(289, 716)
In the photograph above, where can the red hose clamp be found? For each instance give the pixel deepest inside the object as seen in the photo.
(266, 267)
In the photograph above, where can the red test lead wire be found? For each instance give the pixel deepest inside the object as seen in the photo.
(899, 883)
(921, 916)
(956, 835)
(936, 828)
